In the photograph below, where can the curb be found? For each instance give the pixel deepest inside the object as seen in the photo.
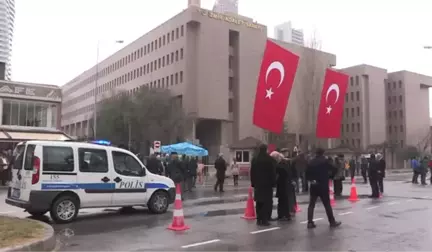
(47, 243)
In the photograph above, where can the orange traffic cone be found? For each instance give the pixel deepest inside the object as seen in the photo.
(178, 217)
(332, 199)
(249, 213)
(353, 195)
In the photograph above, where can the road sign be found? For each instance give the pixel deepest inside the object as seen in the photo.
(156, 146)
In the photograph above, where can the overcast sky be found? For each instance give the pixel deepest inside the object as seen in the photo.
(56, 40)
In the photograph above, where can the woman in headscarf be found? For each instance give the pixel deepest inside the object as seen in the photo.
(282, 186)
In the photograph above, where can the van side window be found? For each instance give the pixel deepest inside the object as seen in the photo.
(125, 164)
(18, 158)
(93, 160)
(58, 159)
(28, 161)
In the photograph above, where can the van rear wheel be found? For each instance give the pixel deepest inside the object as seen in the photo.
(64, 209)
(158, 202)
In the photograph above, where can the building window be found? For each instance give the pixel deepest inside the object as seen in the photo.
(352, 127)
(390, 129)
(168, 37)
(346, 97)
(181, 53)
(357, 80)
(242, 156)
(347, 112)
(230, 105)
(347, 128)
(176, 78)
(230, 83)
(168, 59)
(352, 112)
(352, 96)
(394, 85)
(401, 129)
(163, 61)
(388, 85)
(358, 96)
(400, 84)
(358, 111)
(163, 40)
(182, 30)
(177, 33)
(352, 81)
(401, 113)
(358, 127)
(181, 76)
(172, 35)
(177, 55)
(172, 79)
(172, 58)
(400, 98)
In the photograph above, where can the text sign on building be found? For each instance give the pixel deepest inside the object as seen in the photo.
(156, 146)
(231, 19)
(30, 91)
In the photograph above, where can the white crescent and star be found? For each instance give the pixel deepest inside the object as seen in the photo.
(333, 87)
(275, 65)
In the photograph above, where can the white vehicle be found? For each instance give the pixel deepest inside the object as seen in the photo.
(63, 177)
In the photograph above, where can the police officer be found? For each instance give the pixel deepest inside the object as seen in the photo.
(319, 172)
(373, 176)
(381, 172)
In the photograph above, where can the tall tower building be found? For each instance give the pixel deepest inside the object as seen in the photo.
(226, 6)
(285, 32)
(7, 18)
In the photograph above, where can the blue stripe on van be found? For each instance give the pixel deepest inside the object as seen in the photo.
(156, 186)
(74, 186)
(95, 186)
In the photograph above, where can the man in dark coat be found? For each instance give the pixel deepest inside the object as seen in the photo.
(373, 176)
(364, 168)
(154, 165)
(300, 165)
(381, 173)
(263, 179)
(284, 186)
(175, 170)
(319, 173)
(220, 166)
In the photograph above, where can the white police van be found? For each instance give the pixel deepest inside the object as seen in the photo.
(63, 177)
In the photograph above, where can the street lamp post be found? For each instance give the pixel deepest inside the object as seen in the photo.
(96, 86)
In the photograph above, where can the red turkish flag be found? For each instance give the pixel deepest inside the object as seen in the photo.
(276, 77)
(332, 104)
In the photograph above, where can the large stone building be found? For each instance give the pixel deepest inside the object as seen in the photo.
(385, 107)
(210, 62)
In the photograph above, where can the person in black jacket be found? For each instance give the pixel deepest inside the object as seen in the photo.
(175, 171)
(319, 172)
(154, 165)
(263, 179)
(373, 176)
(381, 173)
(282, 186)
(220, 166)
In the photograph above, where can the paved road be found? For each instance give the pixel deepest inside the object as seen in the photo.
(400, 215)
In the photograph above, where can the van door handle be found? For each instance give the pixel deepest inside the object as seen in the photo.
(105, 179)
(117, 180)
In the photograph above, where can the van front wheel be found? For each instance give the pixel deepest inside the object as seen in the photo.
(65, 209)
(158, 203)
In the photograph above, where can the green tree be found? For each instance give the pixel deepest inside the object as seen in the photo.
(138, 119)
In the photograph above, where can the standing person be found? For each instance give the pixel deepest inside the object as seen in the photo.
(4, 172)
(339, 177)
(220, 165)
(282, 186)
(235, 171)
(381, 172)
(193, 167)
(364, 168)
(352, 167)
(300, 165)
(153, 164)
(430, 169)
(187, 172)
(292, 178)
(175, 171)
(373, 176)
(263, 179)
(319, 173)
(416, 167)
(201, 171)
(423, 170)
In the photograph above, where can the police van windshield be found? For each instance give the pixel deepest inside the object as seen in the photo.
(17, 156)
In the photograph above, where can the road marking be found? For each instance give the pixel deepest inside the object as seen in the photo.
(200, 243)
(264, 230)
(317, 219)
(393, 203)
(373, 207)
(346, 213)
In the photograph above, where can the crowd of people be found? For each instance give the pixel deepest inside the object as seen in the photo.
(420, 168)
(310, 173)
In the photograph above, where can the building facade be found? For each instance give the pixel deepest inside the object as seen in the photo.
(7, 19)
(226, 6)
(285, 32)
(407, 103)
(382, 107)
(209, 61)
(364, 121)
